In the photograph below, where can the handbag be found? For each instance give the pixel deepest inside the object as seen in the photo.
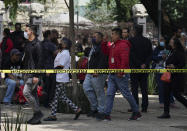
(166, 77)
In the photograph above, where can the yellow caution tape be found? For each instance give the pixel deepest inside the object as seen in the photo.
(99, 71)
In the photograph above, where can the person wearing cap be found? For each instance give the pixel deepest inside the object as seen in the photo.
(62, 61)
(12, 80)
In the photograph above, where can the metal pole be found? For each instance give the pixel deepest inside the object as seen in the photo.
(77, 17)
(77, 21)
(159, 20)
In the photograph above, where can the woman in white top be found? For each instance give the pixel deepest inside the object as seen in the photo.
(62, 61)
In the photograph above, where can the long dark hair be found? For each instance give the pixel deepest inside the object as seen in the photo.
(178, 45)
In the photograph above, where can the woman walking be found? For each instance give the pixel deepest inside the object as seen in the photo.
(159, 56)
(62, 61)
(175, 60)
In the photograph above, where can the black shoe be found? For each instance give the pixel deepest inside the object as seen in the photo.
(107, 118)
(135, 116)
(29, 121)
(77, 114)
(164, 116)
(100, 116)
(144, 110)
(129, 110)
(36, 118)
(34, 122)
(92, 113)
(39, 115)
(50, 118)
(46, 106)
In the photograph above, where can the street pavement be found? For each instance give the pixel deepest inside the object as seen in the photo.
(148, 122)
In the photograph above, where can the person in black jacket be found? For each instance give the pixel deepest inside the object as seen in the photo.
(6, 46)
(32, 60)
(18, 37)
(48, 56)
(140, 58)
(175, 60)
(94, 83)
(159, 57)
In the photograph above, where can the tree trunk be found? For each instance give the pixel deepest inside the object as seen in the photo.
(72, 38)
(118, 8)
(152, 9)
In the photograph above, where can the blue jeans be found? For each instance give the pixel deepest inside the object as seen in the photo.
(10, 90)
(160, 85)
(94, 90)
(114, 83)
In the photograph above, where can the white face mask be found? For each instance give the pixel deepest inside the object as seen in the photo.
(26, 35)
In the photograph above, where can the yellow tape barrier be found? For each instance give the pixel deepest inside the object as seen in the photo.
(100, 71)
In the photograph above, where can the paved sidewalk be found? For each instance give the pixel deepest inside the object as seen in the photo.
(119, 122)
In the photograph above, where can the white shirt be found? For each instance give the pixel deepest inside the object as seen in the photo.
(63, 59)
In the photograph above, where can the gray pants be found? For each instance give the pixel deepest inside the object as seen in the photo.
(30, 93)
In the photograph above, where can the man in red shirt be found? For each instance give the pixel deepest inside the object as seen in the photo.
(118, 54)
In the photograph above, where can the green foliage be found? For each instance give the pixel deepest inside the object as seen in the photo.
(13, 6)
(151, 84)
(175, 8)
(100, 12)
(110, 10)
(126, 9)
(14, 124)
(177, 11)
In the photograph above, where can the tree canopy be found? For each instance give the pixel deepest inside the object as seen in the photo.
(13, 5)
(110, 10)
(174, 14)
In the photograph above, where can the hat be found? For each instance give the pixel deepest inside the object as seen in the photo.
(15, 52)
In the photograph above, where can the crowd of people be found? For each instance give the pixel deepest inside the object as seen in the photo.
(22, 50)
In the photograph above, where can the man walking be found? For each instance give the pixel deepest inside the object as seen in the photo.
(140, 58)
(18, 37)
(48, 56)
(118, 59)
(94, 83)
(32, 60)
